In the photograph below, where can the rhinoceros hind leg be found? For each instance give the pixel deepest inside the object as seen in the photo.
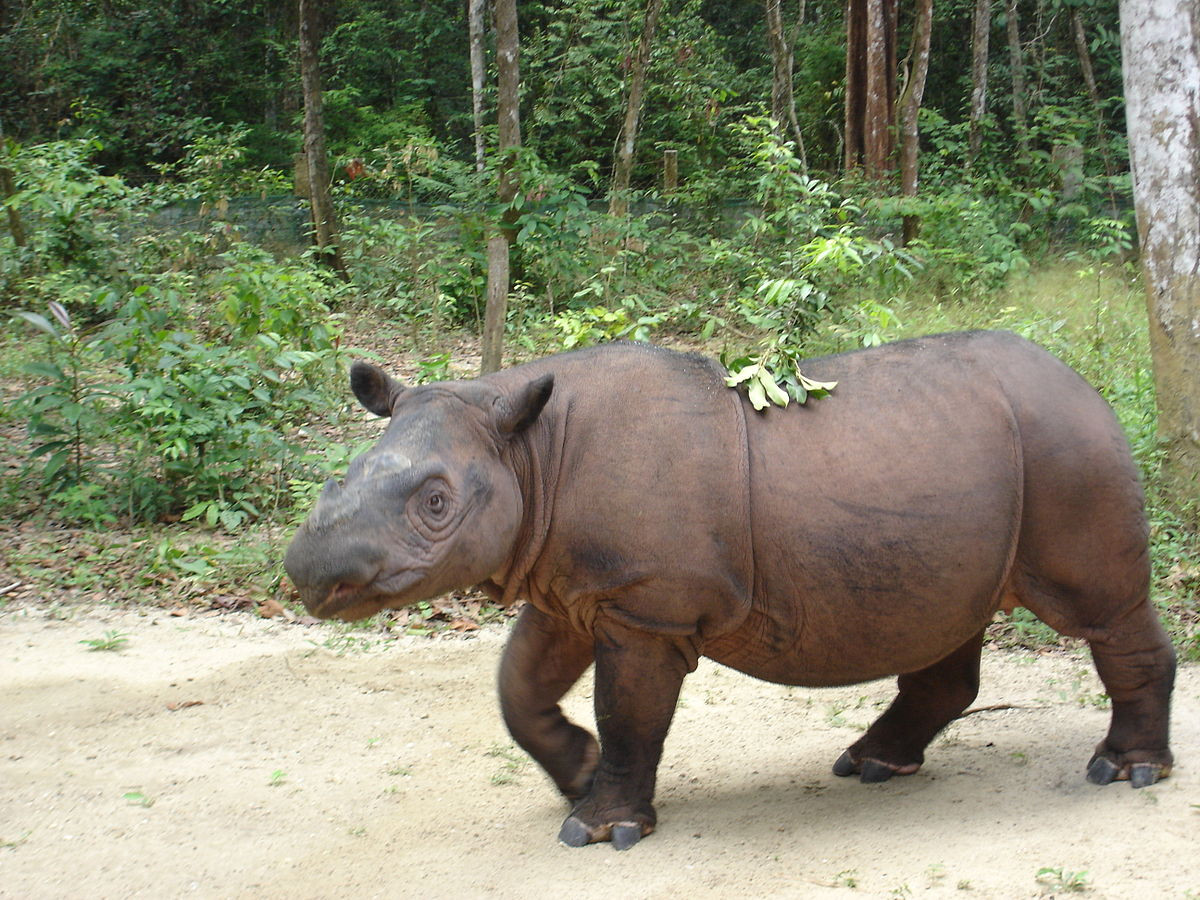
(1136, 662)
(542, 660)
(927, 702)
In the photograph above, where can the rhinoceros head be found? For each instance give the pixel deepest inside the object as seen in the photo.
(430, 508)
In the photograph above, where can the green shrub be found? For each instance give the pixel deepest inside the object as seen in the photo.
(182, 410)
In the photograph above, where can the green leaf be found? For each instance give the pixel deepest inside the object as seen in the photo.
(45, 369)
(195, 510)
(55, 463)
(38, 321)
(814, 386)
(757, 395)
(774, 393)
(745, 373)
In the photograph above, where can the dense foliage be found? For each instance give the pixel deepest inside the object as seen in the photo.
(175, 342)
(152, 79)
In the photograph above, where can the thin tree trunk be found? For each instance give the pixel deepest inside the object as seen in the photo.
(324, 220)
(870, 85)
(1089, 79)
(1160, 44)
(618, 204)
(7, 189)
(1017, 67)
(508, 68)
(980, 33)
(909, 106)
(475, 9)
(783, 99)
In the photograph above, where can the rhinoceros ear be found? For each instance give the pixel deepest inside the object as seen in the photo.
(519, 410)
(374, 388)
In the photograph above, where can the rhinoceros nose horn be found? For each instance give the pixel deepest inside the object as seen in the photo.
(327, 504)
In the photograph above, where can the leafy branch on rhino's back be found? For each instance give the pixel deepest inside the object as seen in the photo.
(778, 385)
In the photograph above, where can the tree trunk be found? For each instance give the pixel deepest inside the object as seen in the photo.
(1089, 79)
(980, 33)
(508, 96)
(909, 106)
(783, 100)
(7, 189)
(324, 220)
(1017, 65)
(475, 9)
(870, 85)
(618, 204)
(1160, 42)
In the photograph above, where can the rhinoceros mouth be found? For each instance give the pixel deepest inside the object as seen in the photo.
(350, 602)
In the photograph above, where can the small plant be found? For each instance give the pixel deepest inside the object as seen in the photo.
(111, 641)
(433, 368)
(1059, 879)
(847, 878)
(512, 764)
(277, 779)
(137, 798)
(15, 842)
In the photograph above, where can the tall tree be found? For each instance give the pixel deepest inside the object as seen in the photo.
(783, 98)
(324, 220)
(508, 72)
(618, 204)
(475, 10)
(1160, 42)
(909, 105)
(1089, 79)
(870, 85)
(1016, 64)
(7, 189)
(981, 30)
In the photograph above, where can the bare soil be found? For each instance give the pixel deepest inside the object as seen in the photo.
(224, 755)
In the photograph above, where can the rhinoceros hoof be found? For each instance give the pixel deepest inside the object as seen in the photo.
(622, 835)
(1102, 770)
(870, 771)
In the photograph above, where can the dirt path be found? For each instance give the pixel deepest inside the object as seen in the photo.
(384, 771)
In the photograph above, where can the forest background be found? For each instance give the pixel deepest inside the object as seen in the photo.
(175, 367)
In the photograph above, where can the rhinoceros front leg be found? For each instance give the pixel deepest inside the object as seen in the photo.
(638, 677)
(543, 658)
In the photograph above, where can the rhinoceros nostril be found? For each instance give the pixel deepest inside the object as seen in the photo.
(341, 591)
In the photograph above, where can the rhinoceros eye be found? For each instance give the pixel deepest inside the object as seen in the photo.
(431, 506)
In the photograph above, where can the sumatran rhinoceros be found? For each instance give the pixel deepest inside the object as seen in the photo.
(650, 516)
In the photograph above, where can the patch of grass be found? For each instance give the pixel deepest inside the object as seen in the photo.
(1059, 879)
(512, 766)
(112, 641)
(847, 878)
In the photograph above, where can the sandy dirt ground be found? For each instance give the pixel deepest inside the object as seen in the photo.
(237, 757)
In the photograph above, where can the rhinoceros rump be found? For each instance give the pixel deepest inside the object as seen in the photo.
(650, 516)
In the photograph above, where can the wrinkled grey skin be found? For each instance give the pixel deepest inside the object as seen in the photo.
(649, 516)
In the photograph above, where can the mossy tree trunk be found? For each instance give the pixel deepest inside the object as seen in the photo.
(1160, 41)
